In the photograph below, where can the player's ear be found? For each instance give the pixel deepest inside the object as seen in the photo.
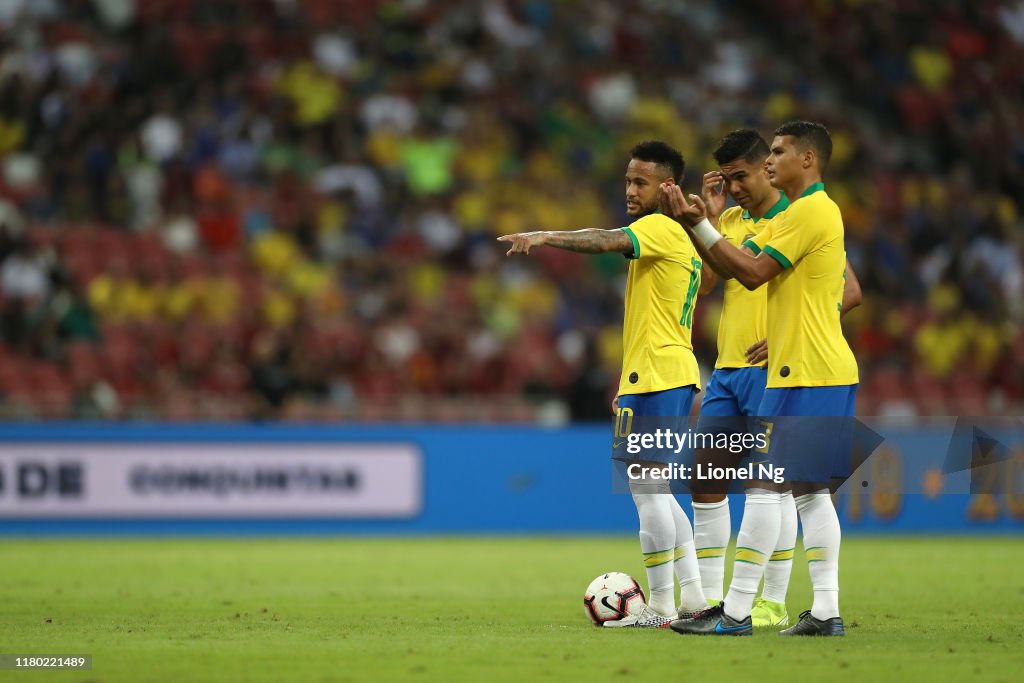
(809, 157)
(669, 181)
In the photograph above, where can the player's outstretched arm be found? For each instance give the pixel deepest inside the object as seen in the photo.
(713, 191)
(715, 270)
(588, 241)
(712, 275)
(851, 290)
(751, 271)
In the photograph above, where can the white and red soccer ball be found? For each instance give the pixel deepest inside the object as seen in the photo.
(612, 596)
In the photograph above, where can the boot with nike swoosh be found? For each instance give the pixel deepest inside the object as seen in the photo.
(713, 622)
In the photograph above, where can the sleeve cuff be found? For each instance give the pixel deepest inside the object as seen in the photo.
(749, 244)
(636, 244)
(778, 256)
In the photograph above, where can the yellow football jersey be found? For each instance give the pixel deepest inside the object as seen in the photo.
(661, 291)
(744, 313)
(806, 347)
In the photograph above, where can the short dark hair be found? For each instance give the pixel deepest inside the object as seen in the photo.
(809, 134)
(656, 151)
(743, 143)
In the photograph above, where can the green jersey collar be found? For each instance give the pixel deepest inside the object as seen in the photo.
(816, 187)
(778, 208)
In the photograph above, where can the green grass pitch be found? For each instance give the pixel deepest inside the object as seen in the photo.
(474, 609)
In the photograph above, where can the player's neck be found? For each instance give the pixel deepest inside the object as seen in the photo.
(796, 190)
(766, 204)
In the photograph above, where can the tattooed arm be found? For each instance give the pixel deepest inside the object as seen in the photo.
(589, 241)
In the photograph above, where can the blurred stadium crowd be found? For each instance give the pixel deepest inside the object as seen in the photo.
(287, 208)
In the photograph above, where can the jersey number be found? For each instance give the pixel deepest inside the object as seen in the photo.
(691, 294)
(624, 422)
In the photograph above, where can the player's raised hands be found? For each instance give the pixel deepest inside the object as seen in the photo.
(713, 191)
(522, 241)
(673, 203)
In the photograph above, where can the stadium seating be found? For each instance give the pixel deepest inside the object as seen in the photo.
(302, 226)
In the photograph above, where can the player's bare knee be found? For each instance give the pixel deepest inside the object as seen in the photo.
(803, 488)
(766, 485)
(708, 498)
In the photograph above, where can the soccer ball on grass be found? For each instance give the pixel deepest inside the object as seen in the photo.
(612, 596)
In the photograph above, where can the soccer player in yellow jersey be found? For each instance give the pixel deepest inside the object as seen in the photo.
(811, 369)
(736, 387)
(659, 372)
(734, 392)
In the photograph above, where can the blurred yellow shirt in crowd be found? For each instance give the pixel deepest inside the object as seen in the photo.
(315, 94)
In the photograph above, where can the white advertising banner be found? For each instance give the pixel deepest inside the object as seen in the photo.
(210, 480)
